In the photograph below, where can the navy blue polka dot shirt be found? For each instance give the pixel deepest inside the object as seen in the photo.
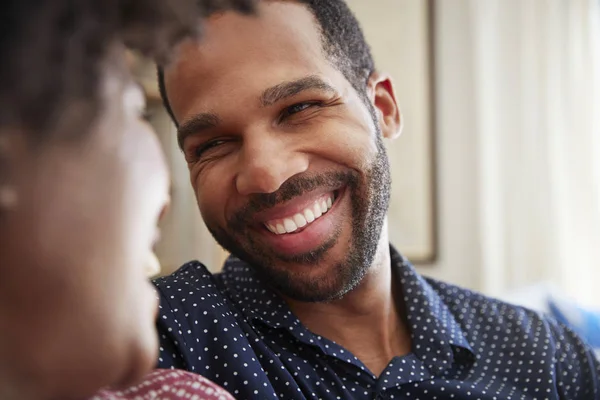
(233, 330)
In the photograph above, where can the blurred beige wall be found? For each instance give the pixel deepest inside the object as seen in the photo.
(459, 258)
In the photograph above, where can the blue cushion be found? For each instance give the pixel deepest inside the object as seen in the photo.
(585, 322)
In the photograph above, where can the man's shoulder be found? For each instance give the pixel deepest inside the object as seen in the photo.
(485, 318)
(193, 276)
(472, 309)
(191, 290)
(194, 310)
(191, 269)
(523, 336)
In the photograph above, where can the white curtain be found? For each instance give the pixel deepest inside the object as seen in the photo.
(537, 96)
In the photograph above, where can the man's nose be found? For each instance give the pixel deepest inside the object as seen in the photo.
(267, 162)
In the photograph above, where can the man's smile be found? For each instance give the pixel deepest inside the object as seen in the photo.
(302, 224)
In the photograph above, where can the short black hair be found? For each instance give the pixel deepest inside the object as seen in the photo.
(53, 53)
(343, 42)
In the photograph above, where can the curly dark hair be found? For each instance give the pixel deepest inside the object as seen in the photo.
(53, 52)
(342, 39)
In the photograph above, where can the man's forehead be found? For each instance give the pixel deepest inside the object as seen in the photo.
(247, 54)
(280, 31)
(273, 13)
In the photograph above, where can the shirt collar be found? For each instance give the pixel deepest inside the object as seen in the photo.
(255, 299)
(437, 339)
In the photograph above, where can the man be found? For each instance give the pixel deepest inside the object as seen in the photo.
(281, 119)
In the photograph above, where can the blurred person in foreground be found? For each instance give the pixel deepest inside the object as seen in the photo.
(82, 185)
(282, 120)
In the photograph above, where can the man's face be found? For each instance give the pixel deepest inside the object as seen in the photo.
(286, 160)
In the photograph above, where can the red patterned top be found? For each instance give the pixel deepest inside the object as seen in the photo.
(169, 384)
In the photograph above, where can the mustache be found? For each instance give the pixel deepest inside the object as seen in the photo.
(293, 187)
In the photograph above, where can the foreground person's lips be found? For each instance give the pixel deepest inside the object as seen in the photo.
(303, 224)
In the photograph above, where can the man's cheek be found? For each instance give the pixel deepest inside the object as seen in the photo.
(210, 217)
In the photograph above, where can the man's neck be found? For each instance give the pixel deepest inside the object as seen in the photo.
(369, 321)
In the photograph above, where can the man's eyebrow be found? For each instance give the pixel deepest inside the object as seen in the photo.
(285, 90)
(201, 122)
(195, 125)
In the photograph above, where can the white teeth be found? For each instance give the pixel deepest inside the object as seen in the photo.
(290, 226)
(324, 207)
(280, 229)
(308, 214)
(299, 220)
(317, 210)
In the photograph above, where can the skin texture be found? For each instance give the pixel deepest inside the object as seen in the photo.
(76, 309)
(259, 148)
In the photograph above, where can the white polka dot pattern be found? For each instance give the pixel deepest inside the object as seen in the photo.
(168, 385)
(232, 329)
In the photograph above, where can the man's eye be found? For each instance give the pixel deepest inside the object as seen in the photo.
(200, 150)
(297, 108)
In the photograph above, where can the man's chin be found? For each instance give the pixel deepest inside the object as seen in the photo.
(320, 282)
(315, 292)
(306, 261)
(323, 274)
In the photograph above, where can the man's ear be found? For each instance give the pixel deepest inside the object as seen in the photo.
(383, 97)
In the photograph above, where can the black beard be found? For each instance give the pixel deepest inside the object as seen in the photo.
(369, 203)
